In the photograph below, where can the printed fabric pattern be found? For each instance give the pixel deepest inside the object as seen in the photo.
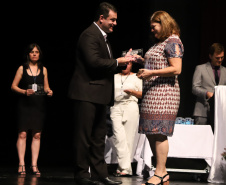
(161, 95)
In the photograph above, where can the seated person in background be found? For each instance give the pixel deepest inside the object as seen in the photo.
(205, 78)
(125, 116)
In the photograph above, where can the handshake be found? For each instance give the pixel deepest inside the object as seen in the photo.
(131, 56)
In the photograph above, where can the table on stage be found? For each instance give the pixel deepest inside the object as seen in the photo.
(218, 167)
(188, 141)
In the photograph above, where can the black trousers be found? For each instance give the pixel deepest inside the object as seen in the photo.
(89, 140)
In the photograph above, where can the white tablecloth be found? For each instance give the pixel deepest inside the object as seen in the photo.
(218, 168)
(188, 141)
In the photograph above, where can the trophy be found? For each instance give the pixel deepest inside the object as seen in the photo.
(134, 51)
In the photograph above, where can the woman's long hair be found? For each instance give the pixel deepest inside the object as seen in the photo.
(27, 57)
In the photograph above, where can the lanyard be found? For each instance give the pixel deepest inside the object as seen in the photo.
(33, 75)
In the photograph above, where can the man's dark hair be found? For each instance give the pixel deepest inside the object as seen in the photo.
(104, 9)
(216, 47)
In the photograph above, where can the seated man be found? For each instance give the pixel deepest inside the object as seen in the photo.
(206, 77)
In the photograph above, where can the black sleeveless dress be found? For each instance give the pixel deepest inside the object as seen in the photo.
(31, 109)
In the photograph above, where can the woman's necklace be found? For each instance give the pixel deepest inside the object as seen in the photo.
(34, 85)
(122, 82)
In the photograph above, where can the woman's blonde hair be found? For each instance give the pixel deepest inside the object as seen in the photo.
(169, 25)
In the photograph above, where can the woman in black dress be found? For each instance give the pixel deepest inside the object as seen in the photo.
(31, 82)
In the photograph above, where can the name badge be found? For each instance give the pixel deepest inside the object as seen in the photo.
(34, 87)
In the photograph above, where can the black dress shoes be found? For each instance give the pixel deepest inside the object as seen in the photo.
(83, 181)
(108, 181)
(87, 181)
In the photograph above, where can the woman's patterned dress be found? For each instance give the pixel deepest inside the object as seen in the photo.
(161, 95)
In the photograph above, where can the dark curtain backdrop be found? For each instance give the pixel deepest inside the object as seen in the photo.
(56, 28)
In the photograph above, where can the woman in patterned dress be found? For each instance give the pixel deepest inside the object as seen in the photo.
(161, 92)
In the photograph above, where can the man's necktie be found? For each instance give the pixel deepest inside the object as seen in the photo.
(216, 75)
(105, 37)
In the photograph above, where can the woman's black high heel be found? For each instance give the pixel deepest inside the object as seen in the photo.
(23, 172)
(37, 172)
(162, 182)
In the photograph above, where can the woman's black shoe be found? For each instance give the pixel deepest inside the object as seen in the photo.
(35, 172)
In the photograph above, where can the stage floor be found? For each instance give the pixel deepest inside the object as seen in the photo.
(64, 176)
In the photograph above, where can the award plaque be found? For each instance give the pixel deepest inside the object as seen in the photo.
(134, 51)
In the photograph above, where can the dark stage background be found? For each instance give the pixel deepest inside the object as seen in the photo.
(56, 28)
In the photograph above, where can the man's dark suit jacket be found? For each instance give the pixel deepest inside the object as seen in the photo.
(93, 79)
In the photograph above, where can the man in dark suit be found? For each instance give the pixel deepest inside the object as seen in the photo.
(205, 78)
(92, 89)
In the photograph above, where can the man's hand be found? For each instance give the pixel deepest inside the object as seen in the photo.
(209, 95)
(122, 61)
